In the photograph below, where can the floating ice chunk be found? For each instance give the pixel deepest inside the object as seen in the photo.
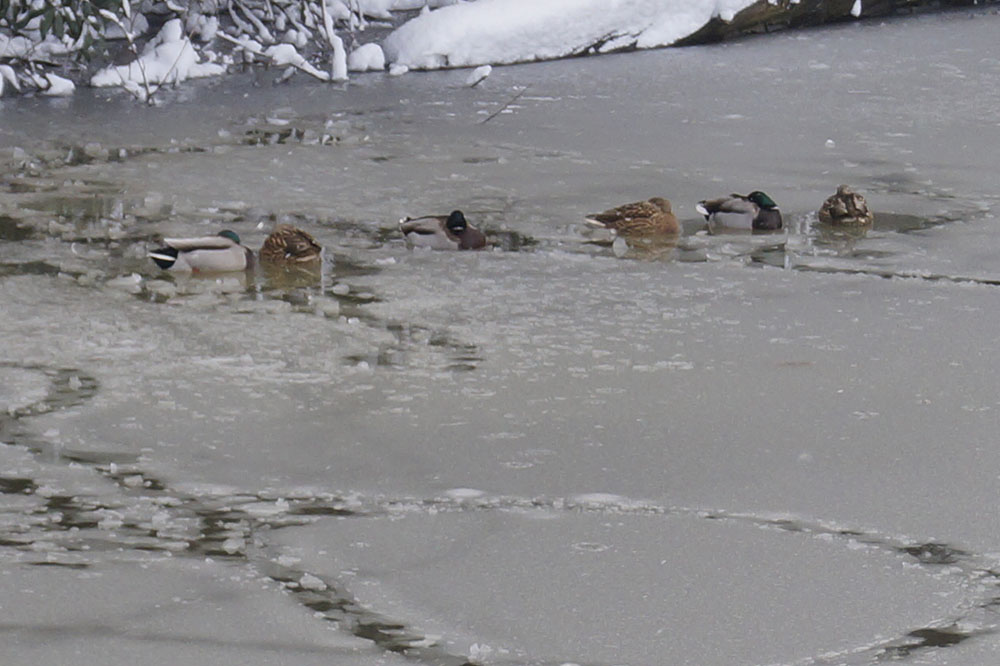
(429, 640)
(478, 75)
(311, 582)
(288, 560)
(112, 520)
(265, 509)
(398, 70)
(133, 481)
(233, 545)
(600, 499)
(366, 58)
(830, 143)
(478, 652)
(464, 493)
(131, 283)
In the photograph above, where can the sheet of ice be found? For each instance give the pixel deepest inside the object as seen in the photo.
(164, 612)
(20, 388)
(603, 411)
(506, 31)
(544, 587)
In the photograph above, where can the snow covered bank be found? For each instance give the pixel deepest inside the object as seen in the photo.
(507, 31)
(169, 58)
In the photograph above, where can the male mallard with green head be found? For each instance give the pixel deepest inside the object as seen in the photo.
(755, 211)
(442, 232)
(653, 216)
(847, 208)
(209, 254)
(290, 245)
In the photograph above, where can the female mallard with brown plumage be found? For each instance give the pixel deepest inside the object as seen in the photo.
(208, 254)
(641, 218)
(847, 208)
(290, 245)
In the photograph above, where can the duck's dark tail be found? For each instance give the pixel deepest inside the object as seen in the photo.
(165, 257)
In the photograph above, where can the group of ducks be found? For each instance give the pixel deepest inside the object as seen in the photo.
(755, 211)
(288, 245)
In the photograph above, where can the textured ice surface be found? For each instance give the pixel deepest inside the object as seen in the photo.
(601, 587)
(167, 612)
(424, 449)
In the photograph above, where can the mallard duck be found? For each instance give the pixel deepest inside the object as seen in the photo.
(652, 216)
(846, 207)
(442, 232)
(290, 245)
(209, 254)
(753, 211)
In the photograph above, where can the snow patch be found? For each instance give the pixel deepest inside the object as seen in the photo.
(54, 85)
(507, 31)
(478, 75)
(168, 58)
(366, 58)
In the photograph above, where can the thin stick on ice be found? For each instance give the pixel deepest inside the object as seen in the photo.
(504, 107)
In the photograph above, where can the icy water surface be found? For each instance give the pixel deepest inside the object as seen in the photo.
(732, 449)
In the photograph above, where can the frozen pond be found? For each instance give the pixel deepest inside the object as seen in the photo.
(768, 449)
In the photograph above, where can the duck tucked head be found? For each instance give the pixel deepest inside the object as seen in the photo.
(456, 222)
(661, 203)
(761, 199)
(231, 235)
(442, 232)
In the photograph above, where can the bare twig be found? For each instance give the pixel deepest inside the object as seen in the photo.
(133, 49)
(504, 107)
(262, 31)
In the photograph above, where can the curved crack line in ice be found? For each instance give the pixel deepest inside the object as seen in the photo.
(903, 275)
(68, 387)
(232, 527)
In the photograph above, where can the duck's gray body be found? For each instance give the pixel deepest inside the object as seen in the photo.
(754, 211)
(208, 254)
(442, 232)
